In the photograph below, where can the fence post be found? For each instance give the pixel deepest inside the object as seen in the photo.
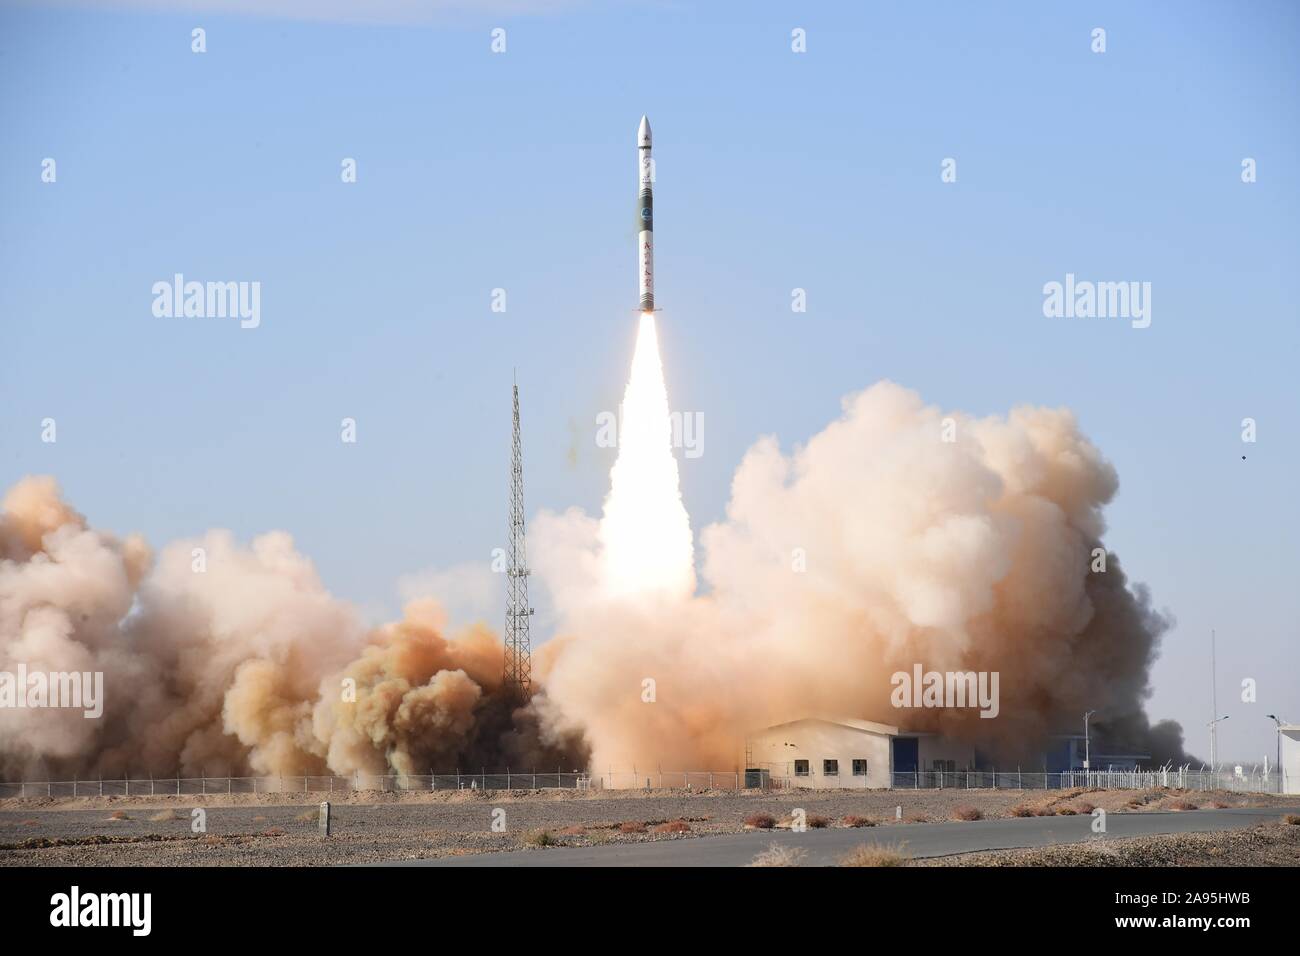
(507, 778)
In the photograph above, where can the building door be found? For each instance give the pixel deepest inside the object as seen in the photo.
(906, 752)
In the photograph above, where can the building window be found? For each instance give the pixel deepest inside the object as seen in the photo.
(830, 768)
(859, 767)
(801, 768)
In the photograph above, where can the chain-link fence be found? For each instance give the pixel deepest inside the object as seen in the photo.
(298, 783)
(1253, 781)
(1185, 779)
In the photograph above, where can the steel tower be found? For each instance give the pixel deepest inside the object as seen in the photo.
(519, 660)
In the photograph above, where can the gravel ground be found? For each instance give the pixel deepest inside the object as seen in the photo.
(1274, 844)
(280, 830)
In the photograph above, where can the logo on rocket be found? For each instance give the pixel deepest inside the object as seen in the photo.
(645, 218)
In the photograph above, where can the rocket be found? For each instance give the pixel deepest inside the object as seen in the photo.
(645, 218)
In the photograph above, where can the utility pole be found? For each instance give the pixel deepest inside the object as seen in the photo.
(1087, 752)
(1214, 701)
(1281, 783)
(518, 676)
(1214, 730)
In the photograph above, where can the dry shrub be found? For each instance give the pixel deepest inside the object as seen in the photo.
(1217, 805)
(1292, 819)
(631, 826)
(1066, 811)
(1023, 810)
(539, 838)
(967, 812)
(118, 815)
(1180, 804)
(162, 815)
(673, 826)
(916, 818)
(776, 855)
(855, 821)
(760, 821)
(871, 855)
(1083, 806)
(816, 822)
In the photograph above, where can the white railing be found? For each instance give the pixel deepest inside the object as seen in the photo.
(1181, 778)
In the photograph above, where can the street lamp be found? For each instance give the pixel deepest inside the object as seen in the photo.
(1279, 721)
(1086, 750)
(1214, 730)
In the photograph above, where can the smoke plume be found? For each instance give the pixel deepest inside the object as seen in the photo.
(900, 534)
(220, 659)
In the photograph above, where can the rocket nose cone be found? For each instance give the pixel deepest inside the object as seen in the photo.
(643, 132)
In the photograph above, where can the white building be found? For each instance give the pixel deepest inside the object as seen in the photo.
(1290, 757)
(843, 752)
(824, 752)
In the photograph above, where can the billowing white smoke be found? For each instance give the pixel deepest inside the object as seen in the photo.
(877, 546)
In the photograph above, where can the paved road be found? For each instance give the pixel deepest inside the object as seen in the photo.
(825, 847)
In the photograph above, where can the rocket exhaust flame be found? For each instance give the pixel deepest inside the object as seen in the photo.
(646, 533)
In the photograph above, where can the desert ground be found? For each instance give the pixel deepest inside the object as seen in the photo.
(373, 827)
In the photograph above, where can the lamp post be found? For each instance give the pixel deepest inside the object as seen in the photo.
(1087, 751)
(1214, 731)
(1281, 785)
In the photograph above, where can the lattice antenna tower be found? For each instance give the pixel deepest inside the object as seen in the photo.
(519, 656)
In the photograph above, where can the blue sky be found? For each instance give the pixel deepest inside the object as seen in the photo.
(775, 170)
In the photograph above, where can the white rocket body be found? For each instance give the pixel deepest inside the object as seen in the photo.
(645, 219)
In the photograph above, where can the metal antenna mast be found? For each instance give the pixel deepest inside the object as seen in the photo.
(519, 660)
